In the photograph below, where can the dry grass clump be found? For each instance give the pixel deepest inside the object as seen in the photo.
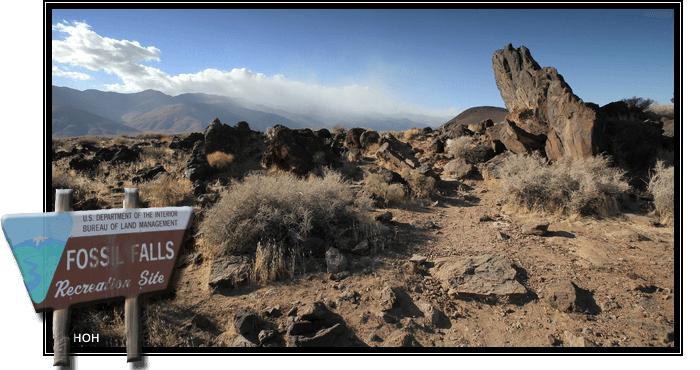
(569, 186)
(219, 160)
(422, 186)
(62, 178)
(166, 191)
(410, 134)
(273, 215)
(658, 111)
(391, 193)
(459, 147)
(270, 263)
(662, 186)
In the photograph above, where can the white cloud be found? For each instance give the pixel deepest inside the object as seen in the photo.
(86, 48)
(55, 71)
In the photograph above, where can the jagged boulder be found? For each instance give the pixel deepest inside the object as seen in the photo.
(575, 127)
(237, 140)
(147, 174)
(197, 168)
(352, 138)
(315, 326)
(479, 276)
(297, 151)
(80, 163)
(126, 155)
(399, 155)
(219, 137)
(188, 142)
(635, 138)
(507, 135)
(230, 271)
(368, 138)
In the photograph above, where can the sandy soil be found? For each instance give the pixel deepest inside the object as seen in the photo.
(624, 267)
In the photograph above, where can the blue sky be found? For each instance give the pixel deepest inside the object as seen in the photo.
(434, 62)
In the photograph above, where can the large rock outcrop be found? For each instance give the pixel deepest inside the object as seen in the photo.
(540, 98)
(238, 140)
(297, 151)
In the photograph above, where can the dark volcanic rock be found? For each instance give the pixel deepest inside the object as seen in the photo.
(147, 174)
(197, 167)
(126, 155)
(575, 127)
(218, 137)
(188, 142)
(79, 163)
(352, 138)
(298, 151)
(399, 155)
(230, 271)
(368, 138)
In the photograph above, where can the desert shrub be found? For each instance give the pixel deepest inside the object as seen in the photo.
(638, 103)
(270, 263)
(662, 186)
(391, 193)
(411, 134)
(219, 160)
(569, 186)
(273, 215)
(657, 111)
(166, 191)
(63, 179)
(422, 186)
(459, 147)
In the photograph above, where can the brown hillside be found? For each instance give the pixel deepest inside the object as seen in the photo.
(475, 115)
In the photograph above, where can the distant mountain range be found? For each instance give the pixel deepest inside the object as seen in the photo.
(93, 112)
(69, 121)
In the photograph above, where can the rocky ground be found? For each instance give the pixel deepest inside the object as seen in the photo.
(576, 282)
(620, 274)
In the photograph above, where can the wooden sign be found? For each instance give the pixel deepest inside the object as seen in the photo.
(74, 257)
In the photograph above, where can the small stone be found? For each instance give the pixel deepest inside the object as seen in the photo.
(244, 321)
(535, 228)
(265, 335)
(418, 259)
(387, 299)
(562, 296)
(335, 261)
(574, 341)
(551, 340)
(485, 218)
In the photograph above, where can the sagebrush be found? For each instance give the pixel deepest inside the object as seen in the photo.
(422, 186)
(569, 186)
(271, 216)
(391, 193)
(459, 147)
(662, 187)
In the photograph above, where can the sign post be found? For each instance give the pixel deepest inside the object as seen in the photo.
(61, 341)
(72, 257)
(132, 311)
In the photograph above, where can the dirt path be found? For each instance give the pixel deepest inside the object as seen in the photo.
(624, 269)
